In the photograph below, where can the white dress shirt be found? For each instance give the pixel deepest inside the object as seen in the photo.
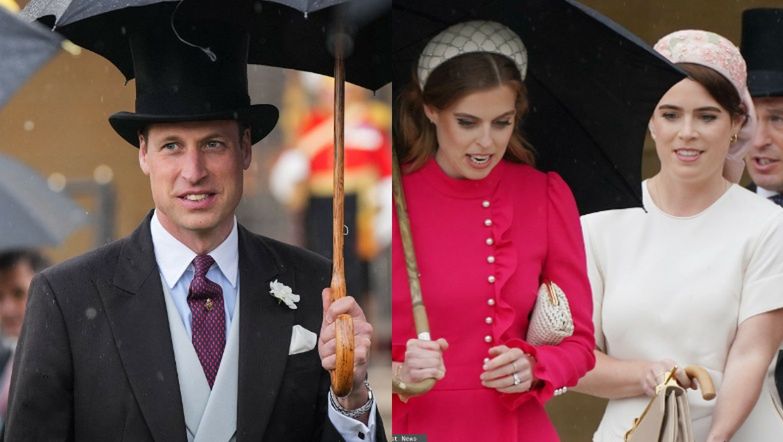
(175, 265)
(764, 192)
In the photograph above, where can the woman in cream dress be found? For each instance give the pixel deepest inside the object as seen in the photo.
(696, 277)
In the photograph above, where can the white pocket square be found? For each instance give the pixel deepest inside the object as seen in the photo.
(302, 340)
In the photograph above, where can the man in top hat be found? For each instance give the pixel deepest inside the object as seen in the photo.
(192, 328)
(762, 48)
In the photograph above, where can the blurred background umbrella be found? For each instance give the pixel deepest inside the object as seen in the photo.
(24, 48)
(293, 34)
(31, 214)
(592, 87)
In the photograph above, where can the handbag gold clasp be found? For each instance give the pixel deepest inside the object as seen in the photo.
(668, 380)
(552, 296)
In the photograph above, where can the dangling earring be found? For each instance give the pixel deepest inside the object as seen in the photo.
(733, 138)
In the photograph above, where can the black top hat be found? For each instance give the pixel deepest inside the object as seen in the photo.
(176, 80)
(762, 48)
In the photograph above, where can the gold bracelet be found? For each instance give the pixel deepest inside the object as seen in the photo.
(396, 379)
(398, 370)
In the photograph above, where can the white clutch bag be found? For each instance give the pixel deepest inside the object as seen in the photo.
(551, 320)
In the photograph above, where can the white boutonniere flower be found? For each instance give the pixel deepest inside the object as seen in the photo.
(283, 293)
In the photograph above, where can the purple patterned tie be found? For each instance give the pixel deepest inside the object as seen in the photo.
(205, 299)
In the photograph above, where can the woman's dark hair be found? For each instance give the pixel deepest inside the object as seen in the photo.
(718, 86)
(447, 84)
(10, 258)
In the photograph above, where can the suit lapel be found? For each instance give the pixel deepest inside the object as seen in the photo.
(264, 335)
(137, 313)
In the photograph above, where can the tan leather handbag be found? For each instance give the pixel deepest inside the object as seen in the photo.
(667, 417)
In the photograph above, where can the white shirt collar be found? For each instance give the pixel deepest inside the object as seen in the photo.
(764, 192)
(173, 257)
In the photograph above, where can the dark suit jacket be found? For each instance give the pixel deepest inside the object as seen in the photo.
(95, 360)
(5, 356)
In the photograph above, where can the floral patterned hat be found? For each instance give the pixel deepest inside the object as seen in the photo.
(471, 36)
(718, 53)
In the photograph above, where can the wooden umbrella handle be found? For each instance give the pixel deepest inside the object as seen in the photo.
(422, 329)
(705, 381)
(342, 375)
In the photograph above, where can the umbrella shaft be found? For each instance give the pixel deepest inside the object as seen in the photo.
(411, 265)
(342, 376)
(338, 201)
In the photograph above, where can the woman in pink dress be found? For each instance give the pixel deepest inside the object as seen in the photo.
(488, 229)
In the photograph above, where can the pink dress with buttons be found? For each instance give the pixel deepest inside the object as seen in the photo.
(483, 248)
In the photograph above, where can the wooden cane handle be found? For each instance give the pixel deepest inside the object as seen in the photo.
(342, 376)
(421, 387)
(705, 381)
(412, 388)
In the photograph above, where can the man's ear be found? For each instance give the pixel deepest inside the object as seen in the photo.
(143, 154)
(247, 149)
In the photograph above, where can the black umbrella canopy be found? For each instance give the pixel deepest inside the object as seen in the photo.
(592, 87)
(308, 6)
(24, 48)
(285, 37)
(280, 34)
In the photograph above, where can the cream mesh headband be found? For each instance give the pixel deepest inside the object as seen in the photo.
(471, 36)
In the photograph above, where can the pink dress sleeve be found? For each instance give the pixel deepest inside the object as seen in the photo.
(565, 264)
